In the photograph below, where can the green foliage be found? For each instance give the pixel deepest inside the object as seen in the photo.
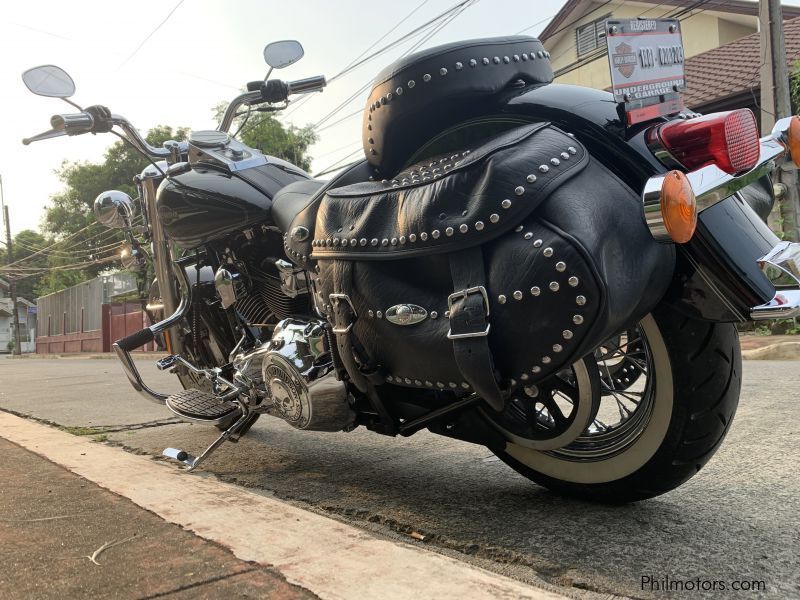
(26, 243)
(265, 132)
(794, 87)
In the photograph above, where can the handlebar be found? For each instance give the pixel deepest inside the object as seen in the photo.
(272, 91)
(72, 124)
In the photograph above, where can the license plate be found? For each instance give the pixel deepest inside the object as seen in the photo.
(646, 58)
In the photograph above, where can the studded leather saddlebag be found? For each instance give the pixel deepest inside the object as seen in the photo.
(484, 268)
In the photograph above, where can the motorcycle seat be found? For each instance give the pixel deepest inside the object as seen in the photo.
(419, 96)
(293, 198)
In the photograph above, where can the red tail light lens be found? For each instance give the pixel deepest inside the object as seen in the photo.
(728, 140)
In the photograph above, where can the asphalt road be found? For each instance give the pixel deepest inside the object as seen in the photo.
(738, 520)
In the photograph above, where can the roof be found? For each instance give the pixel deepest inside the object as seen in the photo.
(739, 7)
(734, 68)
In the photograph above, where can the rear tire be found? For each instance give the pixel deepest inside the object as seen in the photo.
(696, 371)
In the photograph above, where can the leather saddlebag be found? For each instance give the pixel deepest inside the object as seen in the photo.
(485, 268)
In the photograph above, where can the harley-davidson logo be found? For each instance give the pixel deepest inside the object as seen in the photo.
(624, 60)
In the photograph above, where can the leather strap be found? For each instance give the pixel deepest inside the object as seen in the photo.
(469, 325)
(343, 315)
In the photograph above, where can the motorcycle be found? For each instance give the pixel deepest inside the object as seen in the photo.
(546, 270)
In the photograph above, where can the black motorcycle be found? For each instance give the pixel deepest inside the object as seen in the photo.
(515, 263)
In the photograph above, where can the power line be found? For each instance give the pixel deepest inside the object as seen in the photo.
(149, 35)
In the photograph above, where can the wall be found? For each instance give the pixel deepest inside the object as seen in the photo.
(701, 32)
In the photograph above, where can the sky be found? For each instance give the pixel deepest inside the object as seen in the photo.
(201, 56)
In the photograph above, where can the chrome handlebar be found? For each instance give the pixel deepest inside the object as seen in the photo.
(299, 86)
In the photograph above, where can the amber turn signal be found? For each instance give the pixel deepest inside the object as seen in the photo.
(793, 139)
(678, 207)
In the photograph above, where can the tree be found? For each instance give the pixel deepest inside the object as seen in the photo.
(265, 132)
(27, 243)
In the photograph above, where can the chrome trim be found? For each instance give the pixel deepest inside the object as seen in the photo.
(125, 357)
(785, 305)
(712, 185)
(246, 99)
(784, 256)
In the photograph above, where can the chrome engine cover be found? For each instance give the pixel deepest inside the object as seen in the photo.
(300, 380)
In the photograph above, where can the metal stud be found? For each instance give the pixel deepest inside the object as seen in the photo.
(524, 57)
(485, 61)
(465, 385)
(442, 71)
(524, 377)
(554, 287)
(362, 242)
(453, 384)
(544, 168)
(447, 314)
(506, 203)
(384, 242)
(501, 299)
(399, 91)
(572, 150)
(531, 178)
(479, 225)
(428, 383)
(580, 300)
(463, 228)
(518, 228)
(379, 314)
(566, 334)
(394, 242)
(439, 384)
(374, 242)
(354, 242)
(516, 58)
(459, 66)
(449, 231)
(546, 360)
(423, 236)
(577, 319)
(565, 155)
(407, 380)
(573, 281)
(473, 62)
(402, 239)
(426, 78)
(517, 295)
(412, 237)
(537, 244)
(506, 60)
(528, 235)
(494, 218)
(557, 348)
(389, 378)
(411, 84)
(561, 266)
(548, 252)
(417, 382)
(535, 290)
(434, 314)
(435, 234)
(496, 60)
(345, 241)
(370, 314)
(536, 369)
(555, 162)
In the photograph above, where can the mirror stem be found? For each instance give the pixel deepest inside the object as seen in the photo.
(268, 74)
(68, 101)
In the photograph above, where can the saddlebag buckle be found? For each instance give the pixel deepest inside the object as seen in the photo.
(469, 320)
(340, 318)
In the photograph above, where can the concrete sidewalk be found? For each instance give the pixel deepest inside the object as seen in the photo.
(52, 522)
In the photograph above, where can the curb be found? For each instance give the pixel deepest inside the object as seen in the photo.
(87, 355)
(780, 351)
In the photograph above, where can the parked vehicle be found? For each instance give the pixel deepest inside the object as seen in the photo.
(545, 270)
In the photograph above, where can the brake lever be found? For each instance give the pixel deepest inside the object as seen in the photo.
(44, 136)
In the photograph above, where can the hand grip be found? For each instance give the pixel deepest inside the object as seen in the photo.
(73, 123)
(303, 86)
(135, 340)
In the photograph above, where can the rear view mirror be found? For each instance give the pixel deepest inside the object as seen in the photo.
(49, 80)
(282, 54)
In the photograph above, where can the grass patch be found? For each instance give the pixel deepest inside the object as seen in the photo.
(101, 438)
(84, 430)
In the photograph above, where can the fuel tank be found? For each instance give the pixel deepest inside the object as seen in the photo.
(204, 204)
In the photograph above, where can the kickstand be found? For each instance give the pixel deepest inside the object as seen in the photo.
(193, 462)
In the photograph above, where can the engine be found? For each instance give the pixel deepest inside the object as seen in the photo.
(298, 377)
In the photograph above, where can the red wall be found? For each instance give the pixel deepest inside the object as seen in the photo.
(118, 321)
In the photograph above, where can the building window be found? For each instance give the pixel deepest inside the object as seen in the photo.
(589, 37)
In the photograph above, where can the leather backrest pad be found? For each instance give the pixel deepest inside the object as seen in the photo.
(417, 97)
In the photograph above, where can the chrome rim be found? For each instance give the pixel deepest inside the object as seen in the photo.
(627, 386)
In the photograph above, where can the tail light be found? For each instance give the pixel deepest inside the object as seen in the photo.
(728, 139)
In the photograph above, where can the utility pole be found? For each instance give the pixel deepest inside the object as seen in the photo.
(771, 15)
(11, 281)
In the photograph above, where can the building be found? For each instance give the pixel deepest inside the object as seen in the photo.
(576, 42)
(26, 312)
